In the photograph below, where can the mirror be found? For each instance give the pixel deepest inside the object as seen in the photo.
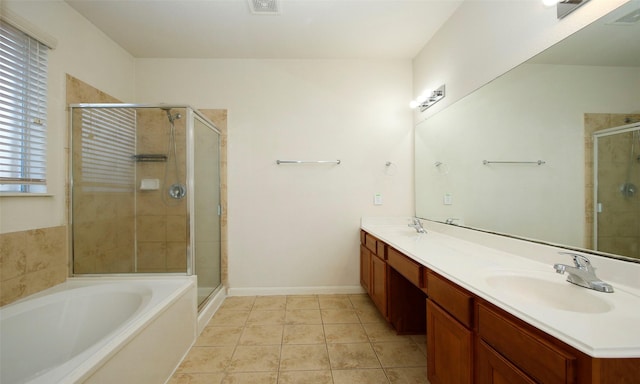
(515, 157)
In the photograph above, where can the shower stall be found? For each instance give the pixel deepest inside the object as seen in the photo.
(145, 192)
(616, 195)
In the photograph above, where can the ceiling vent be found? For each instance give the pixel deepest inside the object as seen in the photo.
(264, 7)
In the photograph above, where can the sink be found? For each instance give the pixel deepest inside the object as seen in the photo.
(547, 290)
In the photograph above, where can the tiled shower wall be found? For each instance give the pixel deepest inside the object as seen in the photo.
(619, 222)
(103, 220)
(160, 220)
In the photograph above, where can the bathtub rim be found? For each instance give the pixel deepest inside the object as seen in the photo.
(125, 333)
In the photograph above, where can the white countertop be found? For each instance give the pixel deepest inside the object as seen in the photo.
(598, 324)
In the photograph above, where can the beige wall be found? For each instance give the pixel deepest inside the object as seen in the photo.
(296, 226)
(484, 39)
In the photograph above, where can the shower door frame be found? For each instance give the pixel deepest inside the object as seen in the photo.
(192, 114)
(595, 137)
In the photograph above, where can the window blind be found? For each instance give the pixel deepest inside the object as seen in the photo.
(108, 145)
(23, 111)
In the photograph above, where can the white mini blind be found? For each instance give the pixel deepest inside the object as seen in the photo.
(108, 146)
(23, 111)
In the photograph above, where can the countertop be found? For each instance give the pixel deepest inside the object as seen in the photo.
(602, 325)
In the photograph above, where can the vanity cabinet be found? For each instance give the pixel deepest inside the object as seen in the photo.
(449, 332)
(470, 340)
(527, 354)
(373, 270)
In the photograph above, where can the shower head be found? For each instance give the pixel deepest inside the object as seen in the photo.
(171, 117)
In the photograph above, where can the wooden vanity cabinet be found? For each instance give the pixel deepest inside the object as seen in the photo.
(373, 270)
(449, 332)
(470, 340)
(532, 354)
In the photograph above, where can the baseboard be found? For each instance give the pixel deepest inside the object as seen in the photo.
(272, 291)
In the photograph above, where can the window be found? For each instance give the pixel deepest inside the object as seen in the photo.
(23, 111)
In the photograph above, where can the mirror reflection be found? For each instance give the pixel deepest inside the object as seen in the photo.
(550, 150)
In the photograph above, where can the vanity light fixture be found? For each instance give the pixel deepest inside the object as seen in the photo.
(426, 100)
(564, 7)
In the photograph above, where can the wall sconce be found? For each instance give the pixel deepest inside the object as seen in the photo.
(426, 100)
(564, 7)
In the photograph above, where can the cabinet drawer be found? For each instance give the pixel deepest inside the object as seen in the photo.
(371, 243)
(537, 357)
(455, 300)
(405, 266)
(363, 234)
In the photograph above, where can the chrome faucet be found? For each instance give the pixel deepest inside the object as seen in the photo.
(582, 274)
(417, 225)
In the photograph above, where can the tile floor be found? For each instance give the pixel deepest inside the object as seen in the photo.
(315, 339)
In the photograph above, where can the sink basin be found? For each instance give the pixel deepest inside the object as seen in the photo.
(548, 290)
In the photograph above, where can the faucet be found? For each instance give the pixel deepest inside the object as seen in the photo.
(582, 274)
(417, 225)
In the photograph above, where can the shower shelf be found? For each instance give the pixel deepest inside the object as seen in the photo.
(154, 158)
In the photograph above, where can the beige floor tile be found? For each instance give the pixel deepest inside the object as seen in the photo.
(359, 376)
(265, 358)
(238, 303)
(304, 358)
(407, 375)
(361, 301)
(261, 335)
(421, 342)
(357, 355)
(305, 377)
(335, 302)
(302, 302)
(197, 378)
(379, 331)
(339, 316)
(303, 316)
(370, 315)
(270, 303)
(219, 336)
(228, 317)
(345, 333)
(400, 354)
(303, 334)
(266, 317)
(206, 360)
(251, 378)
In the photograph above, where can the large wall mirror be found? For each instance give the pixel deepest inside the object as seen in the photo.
(549, 151)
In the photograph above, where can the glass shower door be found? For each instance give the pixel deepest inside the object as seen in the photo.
(617, 179)
(206, 208)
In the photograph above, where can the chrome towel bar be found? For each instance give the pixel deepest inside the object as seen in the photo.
(538, 162)
(307, 162)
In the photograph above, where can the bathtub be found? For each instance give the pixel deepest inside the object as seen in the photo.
(99, 330)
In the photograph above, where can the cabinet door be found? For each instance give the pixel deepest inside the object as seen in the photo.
(492, 368)
(449, 359)
(365, 268)
(379, 284)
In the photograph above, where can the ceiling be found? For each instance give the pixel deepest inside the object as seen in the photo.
(303, 29)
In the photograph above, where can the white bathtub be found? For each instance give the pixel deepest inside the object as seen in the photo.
(99, 330)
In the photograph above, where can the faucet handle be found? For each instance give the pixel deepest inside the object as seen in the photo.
(580, 261)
